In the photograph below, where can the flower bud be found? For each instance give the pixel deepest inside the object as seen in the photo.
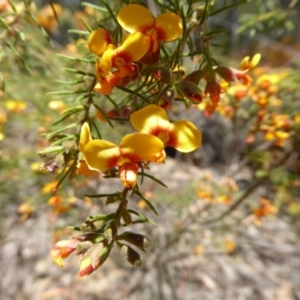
(163, 75)
(131, 255)
(128, 174)
(190, 90)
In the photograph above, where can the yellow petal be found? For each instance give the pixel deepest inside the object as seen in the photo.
(56, 257)
(133, 49)
(99, 40)
(135, 18)
(282, 134)
(141, 147)
(85, 136)
(168, 27)
(255, 60)
(103, 66)
(149, 118)
(101, 155)
(188, 137)
(297, 119)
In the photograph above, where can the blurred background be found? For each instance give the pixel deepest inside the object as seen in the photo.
(228, 224)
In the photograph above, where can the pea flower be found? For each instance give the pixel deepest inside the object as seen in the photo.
(137, 18)
(107, 80)
(120, 59)
(62, 250)
(181, 135)
(133, 49)
(99, 40)
(134, 148)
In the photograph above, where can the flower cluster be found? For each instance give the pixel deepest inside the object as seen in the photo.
(142, 76)
(118, 65)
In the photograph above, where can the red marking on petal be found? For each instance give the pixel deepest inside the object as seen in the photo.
(161, 34)
(88, 270)
(166, 135)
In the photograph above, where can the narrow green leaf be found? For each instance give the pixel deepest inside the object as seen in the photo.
(2, 21)
(66, 92)
(217, 11)
(79, 32)
(72, 82)
(104, 115)
(96, 128)
(52, 150)
(141, 216)
(72, 58)
(150, 205)
(52, 134)
(73, 109)
(60, 141)
(100, 217)
(110, 11)
(103, 195)
(153, 178)
(70, 171)
(65, 117)
(54, 11)
(12, 6)
(96, 7)
(75, 71)
(86, 25)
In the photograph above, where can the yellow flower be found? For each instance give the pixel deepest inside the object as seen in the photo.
(15, 105)
(50, 187)
(297, 118)
(57, 105)
(121, 59)
(132, 49)
(181, 135)
(102, 155)
(250, 64)
(137, 18)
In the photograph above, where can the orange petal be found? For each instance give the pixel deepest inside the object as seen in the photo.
(99, 40)
(168, 27)
(106, 85)
(134, 17)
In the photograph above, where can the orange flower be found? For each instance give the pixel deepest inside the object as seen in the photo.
(265, 209)
(46, 17)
